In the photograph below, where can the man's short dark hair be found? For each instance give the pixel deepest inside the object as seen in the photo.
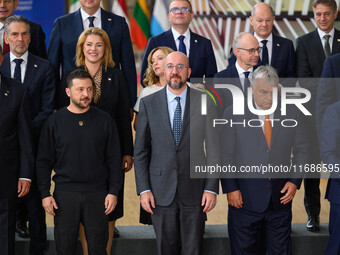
(77, 74)
(15, 18)
(330, 3)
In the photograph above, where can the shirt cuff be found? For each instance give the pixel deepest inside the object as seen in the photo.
(25, 179)
(210, 191)
(145, 191)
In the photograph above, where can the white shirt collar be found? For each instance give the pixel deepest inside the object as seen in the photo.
(23, 57)
(176, 34)
(171, 96)
(84, 15)
(322, 33)
(240, 70)
(269, 38)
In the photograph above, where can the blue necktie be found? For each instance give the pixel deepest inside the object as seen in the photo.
(17, 70)
(181, 46)
(177, 122)
(265, 58)
(246, 85)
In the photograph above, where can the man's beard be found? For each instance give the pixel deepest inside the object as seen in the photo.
(175, 86)
(79, 104)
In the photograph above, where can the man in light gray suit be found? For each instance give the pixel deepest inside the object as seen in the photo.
(170, 138)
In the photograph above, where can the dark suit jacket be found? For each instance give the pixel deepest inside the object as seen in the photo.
(201, 56)
(246, 146)
(37, 45)
(162, 167)
(283, 57)
(330, 149)
(114, 100)
(64, 38)
(16, 142)
(329, 86)
(39, 79)
(227, 76)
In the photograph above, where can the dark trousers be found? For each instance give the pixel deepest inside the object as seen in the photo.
(178, 224)
(37, 221)
(253, 233)
(7, 225)
(333, 246)
(87, 208)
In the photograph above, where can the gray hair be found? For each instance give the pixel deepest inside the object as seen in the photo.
(253, 10)
(15, 18)
(238, 38)
(266, 74)
(330, 3)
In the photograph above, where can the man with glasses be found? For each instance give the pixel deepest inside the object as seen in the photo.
(165, 149)
(247, 52)
(179, 37)
(277, 51)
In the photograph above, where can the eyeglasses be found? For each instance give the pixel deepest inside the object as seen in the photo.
(182, 10)
(252, 51)
(179, 67)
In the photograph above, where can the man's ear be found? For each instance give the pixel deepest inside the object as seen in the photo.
(68, 92)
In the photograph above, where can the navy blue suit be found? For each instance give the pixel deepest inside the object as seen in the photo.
(283, 57)
(64, 37)
(40, 82)
(329, 87)
(16, 155)
(330, 151)
(227, 76)
(246, 146)
(201, 56)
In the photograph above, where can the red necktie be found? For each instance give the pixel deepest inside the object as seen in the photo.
(5, 47)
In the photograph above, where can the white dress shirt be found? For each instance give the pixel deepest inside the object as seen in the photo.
(186, 39)
(269, 46)
(330, 40)
(23, 65)
(97, 22)
(241, 71)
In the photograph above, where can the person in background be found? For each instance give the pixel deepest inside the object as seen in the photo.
(153, 79)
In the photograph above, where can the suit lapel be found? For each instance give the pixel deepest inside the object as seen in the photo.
(6, 66)
(170, 39)
(186, 116)
(78, 23)
(257, 130)
(5, 93)
(317, 44)
(31, 69)
(193, 48)
(275, 49)
(106, 22)
(336, 42)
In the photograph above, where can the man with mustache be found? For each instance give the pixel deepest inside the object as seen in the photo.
(171, 135)
(81, 144)
(37, 75)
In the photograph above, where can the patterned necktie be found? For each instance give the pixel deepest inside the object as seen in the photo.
(177, 122)
(327, 47)
(181, 46)
(246, 85)
(5, 46)
(265, 58)
(91, 19)
(17, 70)
(267, 129)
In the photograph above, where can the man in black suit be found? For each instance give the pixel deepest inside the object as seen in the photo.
(169, 140)
(277, 51)
(37, 45)
(179, 37)
(311, 51)
(17, 157)
(37, 75)
(65, 33)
